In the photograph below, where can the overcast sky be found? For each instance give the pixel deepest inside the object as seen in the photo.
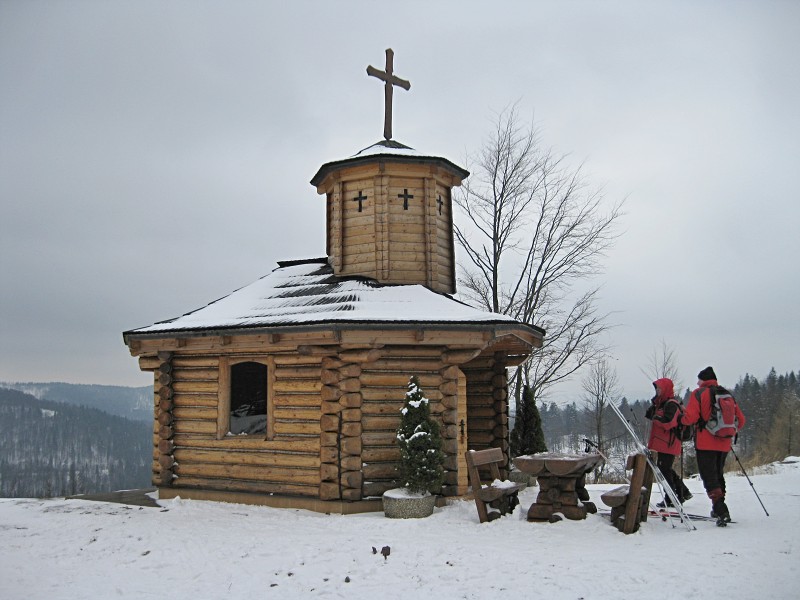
(155, 156)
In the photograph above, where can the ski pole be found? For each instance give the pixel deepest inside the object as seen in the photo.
(750, 482)
(666, 490)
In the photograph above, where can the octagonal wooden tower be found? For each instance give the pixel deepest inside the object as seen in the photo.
(390, 217)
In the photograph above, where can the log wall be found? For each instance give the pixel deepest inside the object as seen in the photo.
(190, 452)
(384, 384)
(487, 404)
(332, 419)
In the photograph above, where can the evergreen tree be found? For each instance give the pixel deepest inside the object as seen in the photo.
(420, 444)
(527, 436)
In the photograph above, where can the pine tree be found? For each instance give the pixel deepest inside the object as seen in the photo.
(527, 436)
(420, 444)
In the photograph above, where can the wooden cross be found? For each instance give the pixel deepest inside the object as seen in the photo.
(439, 201)
(390, 80)
(360, 198)
(406, 197)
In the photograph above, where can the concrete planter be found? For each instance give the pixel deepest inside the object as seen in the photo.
(399, 503)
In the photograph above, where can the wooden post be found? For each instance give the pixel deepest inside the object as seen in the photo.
(163, 415)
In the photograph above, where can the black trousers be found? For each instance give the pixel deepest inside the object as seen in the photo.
(664, 464)
(711, 464)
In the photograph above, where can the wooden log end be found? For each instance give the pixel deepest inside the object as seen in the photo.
(352, 494)
(329, 491)
(352, 445)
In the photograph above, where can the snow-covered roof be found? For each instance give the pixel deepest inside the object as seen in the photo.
(302, 293)
(391, 149)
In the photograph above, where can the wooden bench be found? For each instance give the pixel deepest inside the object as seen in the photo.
(629, 503)
(502, 498)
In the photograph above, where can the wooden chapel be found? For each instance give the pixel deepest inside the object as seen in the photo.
(288, 391)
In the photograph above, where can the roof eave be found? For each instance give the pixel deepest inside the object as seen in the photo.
(528, 334)
(327, 168)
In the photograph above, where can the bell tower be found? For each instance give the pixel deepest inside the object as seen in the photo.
(389, 209)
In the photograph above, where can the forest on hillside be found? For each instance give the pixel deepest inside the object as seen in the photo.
(771, 407)
(129, 402)
(57, 449)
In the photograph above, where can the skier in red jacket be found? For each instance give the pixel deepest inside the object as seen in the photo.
(664, 412)
(711, 450)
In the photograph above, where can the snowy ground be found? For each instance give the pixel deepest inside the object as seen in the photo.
(71, 549)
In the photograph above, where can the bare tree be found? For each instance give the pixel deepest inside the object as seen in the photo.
(600, 387)
(533, 231)
(663, 363)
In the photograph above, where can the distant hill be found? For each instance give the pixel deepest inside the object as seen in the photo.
(52, 448)
(129, 402)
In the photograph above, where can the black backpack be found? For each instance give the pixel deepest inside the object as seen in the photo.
(683, 432)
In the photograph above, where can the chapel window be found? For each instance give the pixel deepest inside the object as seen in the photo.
(248, 398)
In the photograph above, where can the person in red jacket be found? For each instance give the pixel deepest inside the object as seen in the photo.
(664, 412)
(711, 450)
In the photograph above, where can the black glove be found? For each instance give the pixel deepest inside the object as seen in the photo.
(650, 412)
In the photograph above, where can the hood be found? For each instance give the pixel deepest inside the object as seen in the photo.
(665, 389)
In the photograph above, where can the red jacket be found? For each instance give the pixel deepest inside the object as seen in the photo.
(696, 411)
(665, 415)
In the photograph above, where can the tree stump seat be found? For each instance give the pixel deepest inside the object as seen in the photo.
(496, 498)
(629, 503)
(616, 497)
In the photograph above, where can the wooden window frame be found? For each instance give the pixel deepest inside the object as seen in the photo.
(224, 395)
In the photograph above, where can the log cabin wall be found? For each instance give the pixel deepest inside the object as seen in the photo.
(190, 453)
(383, 387)
(340, 441)
(332, 417)
(487, 404)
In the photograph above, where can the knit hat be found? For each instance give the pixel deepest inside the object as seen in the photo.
(706, 374)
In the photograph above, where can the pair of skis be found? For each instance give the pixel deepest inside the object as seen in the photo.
(665, 514)
(666, 490)
(670, 514)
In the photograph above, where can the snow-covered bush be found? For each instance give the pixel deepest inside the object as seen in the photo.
(420, 444)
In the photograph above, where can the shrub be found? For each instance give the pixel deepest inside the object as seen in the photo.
(420, 444)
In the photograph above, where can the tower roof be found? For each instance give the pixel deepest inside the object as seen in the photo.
(388, 150)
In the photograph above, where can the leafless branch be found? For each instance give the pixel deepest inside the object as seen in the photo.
(534, 229)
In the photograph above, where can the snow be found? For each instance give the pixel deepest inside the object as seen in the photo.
(379, 149)
(310, 294)
(503, 483)
(403, 492)
(72, 549)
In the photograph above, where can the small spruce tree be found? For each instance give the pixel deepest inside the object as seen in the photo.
(420, 444)
(527, 436)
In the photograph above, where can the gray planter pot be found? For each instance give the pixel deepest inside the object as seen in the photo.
(398, 504)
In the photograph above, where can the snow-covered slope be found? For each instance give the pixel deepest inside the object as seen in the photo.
(70, 549)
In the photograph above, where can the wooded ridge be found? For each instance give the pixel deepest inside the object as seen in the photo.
(56, 449)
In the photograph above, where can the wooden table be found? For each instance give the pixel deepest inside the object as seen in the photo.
(562, 484)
